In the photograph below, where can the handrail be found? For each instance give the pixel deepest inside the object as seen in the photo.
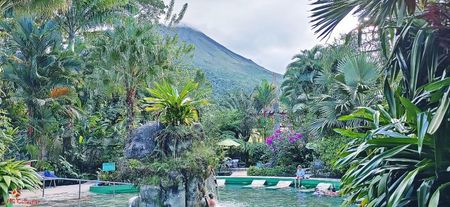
(79, 183)
(84, 180)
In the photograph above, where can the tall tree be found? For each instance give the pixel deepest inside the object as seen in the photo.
(264, 96)
(85, 14)
(40, 71)
(38, 7)
(133, 51)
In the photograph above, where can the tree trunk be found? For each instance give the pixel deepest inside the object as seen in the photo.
(131, 96)
(71, 41)
(30, 121)
(43, 150)
(67, 137)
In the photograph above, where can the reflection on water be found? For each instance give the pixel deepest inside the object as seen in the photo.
(230, 196)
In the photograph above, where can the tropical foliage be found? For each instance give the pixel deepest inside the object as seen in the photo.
(398, 158)
(327, 82)
(14, 175)
(174, 107)
(40, 70)
(67, 91)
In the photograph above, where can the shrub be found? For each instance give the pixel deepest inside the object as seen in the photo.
(257, 152)
(271, 171)
(326, 154)
(199, 160)
(42, 165)
(287, 148)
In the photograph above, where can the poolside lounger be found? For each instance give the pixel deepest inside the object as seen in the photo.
(256, 184)
(220, 182)
(280, 185)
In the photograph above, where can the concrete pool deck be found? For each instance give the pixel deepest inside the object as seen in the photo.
(58, 192)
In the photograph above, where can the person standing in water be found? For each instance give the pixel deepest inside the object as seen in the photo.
(300, 174)
(211, 202)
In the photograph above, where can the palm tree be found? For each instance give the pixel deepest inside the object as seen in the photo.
(242, 104)
(129, 52)
(326, 15)
(38, 69)
(41, 7)
(264, 96)
(82, 15)
(352, 84)
(300, 75)
(133, 52)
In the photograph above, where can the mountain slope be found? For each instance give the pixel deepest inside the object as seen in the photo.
(225, 69)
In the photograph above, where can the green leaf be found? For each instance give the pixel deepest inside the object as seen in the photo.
(7, 180)
(440, 113)
(434, 201)
(365, 113)
(392, 141)
(389, 94)
(349, 133)
(397, 195)
(422, 126)
(4, 188)
(423, 193)
(437, 85)
(411, 109)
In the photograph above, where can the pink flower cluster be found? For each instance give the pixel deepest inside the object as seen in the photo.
(278, 135)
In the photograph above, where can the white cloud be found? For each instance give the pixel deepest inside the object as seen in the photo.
(269, 32)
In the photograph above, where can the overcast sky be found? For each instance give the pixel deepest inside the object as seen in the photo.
(270, 32)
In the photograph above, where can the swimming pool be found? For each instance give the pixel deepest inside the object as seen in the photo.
(229, 196)
(236, 196)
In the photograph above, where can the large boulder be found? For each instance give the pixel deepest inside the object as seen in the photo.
(142, 141)
(150, 196)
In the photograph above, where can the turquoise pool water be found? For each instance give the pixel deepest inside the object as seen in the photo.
(230, 196)
(236, 196)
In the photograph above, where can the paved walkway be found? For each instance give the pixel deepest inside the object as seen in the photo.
(239, 173)
(58, 193)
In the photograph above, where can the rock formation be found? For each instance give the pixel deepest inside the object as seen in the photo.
(180, 188)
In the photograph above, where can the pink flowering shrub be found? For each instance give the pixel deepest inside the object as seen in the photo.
(278, 137)
(287, 150)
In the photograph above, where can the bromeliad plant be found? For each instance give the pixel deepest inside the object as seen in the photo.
(176, 110)
(174, 107)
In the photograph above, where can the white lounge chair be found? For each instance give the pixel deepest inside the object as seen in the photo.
(256, 184)
(280, 185)
(220, 182)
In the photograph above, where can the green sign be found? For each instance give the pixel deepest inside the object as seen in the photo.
(109, 166)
